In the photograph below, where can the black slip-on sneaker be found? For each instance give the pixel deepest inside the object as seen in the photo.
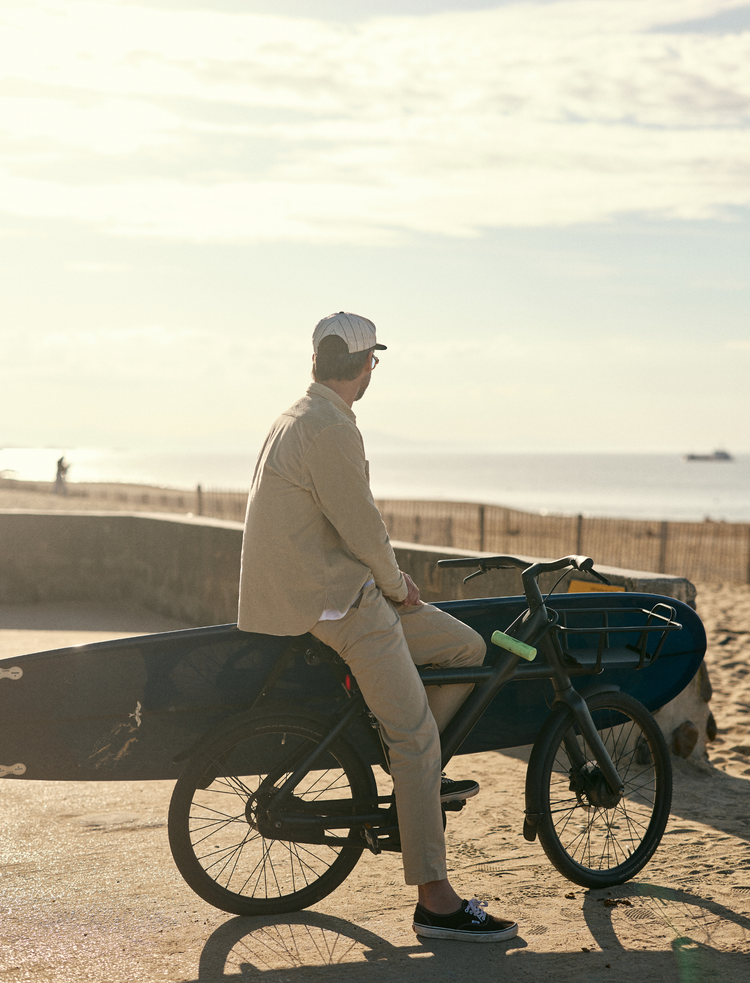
(469, 924)
(451, 791)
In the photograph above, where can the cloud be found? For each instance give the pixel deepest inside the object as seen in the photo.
(213, 126)
(151, 352)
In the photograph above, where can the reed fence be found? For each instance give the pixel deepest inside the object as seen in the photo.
(713, 551)
(708, 551)
(95, 495)
(702, 551)
(221, 503)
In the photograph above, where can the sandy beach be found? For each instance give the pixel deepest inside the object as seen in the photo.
(88, 889)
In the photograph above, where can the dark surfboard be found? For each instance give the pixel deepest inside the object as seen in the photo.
(123, 709)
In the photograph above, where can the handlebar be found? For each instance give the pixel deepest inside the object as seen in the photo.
(583, 563)
(530, 571)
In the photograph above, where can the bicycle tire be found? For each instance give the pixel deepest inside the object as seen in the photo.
(213, 832)
(592, 837)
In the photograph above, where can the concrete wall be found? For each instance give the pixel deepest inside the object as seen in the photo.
(182, 567)
(442, 584)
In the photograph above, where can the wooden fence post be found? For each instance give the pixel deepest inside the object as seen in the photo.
(481, 528)
(663, 547)
(199, 496)
(579, 536)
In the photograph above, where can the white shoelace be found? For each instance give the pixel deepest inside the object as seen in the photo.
(474, 907)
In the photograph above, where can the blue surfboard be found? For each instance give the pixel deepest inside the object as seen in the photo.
(124, 709)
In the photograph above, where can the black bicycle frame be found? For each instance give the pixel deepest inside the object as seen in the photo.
(535, 627)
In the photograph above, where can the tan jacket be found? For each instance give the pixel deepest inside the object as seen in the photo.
(313, 534)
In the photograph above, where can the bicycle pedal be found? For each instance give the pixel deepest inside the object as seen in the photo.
(455, 806)
(372, 840)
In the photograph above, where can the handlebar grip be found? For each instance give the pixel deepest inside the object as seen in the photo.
(464, 561)
(488, 562)
(584, 563)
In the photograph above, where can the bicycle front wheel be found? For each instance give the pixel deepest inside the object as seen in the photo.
(216, 817)
(593, 836)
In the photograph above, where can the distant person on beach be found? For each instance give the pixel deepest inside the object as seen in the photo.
(316, 558)
(61, 487)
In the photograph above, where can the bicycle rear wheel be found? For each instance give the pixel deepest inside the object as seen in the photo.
(216, 825)
(593, 836)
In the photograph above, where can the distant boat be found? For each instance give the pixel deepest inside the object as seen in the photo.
(716, 456)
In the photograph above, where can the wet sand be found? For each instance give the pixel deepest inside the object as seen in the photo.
(88, 890)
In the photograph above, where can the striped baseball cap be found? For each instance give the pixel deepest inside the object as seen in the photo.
(358, 332)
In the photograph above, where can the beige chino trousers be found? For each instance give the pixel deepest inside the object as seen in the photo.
(383, 643)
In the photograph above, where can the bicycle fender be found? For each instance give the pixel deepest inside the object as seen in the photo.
(596, 688)
(532, 791)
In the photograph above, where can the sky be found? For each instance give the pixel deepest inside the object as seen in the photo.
(544, 207)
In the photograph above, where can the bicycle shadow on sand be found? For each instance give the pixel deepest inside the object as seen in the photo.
(705, 794)
(310, 946)
(692, 920)
(701, 793)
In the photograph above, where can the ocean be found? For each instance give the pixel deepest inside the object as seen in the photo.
(635, 486)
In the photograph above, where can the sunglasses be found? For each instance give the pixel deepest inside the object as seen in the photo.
(375, 361)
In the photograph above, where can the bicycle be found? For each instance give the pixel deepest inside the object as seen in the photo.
(274, 809)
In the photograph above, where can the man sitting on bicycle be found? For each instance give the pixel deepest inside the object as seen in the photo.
(316, 558)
